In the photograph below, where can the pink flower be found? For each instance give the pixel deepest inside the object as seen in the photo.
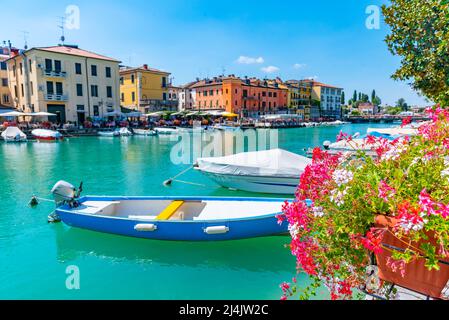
(373, 240)
(342, 136)
(385, 191)
(283, 298)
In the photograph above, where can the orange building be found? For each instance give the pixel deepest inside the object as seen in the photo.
(249, 97)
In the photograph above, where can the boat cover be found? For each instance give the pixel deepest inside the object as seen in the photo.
(44, 133)
(270, 163)
(12, 133)
(395, 131)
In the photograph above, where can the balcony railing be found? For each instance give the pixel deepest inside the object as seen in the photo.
(55, 73)
(56, 97)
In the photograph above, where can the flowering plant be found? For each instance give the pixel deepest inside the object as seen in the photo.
(335, 237)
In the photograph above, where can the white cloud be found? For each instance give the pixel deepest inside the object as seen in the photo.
(270, 69)
(298, 66)
(250, 60)
(312, 78)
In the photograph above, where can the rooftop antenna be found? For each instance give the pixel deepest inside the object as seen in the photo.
(61, 26)
(223, 70)
(25, 39)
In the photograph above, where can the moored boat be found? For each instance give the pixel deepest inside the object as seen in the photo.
(46, 135)
(13, 134)
(124, 132)
(109, 133)
(171, 218)
(142, 132)
(272, 171)
(166, 130)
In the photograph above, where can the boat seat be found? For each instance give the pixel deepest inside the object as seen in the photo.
(171, 209)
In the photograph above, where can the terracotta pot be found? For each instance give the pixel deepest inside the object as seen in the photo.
(417, 277)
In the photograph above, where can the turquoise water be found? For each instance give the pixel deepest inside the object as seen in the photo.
(34, 255)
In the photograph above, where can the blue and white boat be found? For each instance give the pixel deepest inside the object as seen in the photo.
(170, 218)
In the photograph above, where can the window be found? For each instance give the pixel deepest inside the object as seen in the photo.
(121, 80)
(96, 111)
(109, 91)
(14, 70)
(31, 88)
(79, 89)
(94, 90)
(78, 68)
(4, 82)
(15, 91)
(132, 78)
(59, 88)
(22, 91)
(93, 70)
(275, 94)
(164, 96)
(5, 98)
(270, 94)
(31, 66)
(133, 96)
(164, 82)
(57, 65)
(123, 97)
(80, 107)
(205, 93)
(227, 91)
(21, 68)
(264, 94)
(3, 65)
(211, 92)
(48, 65)
(108, 72)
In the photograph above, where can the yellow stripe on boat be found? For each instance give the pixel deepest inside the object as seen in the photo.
(170, 210)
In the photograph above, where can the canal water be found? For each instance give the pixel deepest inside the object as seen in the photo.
(35, 255)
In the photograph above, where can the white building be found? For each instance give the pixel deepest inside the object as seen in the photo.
(187, 97)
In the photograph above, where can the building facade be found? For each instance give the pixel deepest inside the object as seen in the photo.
(72, 83)
(5, 92)
(329, 98)
(249, 97)
(187, 97)
(145, 89)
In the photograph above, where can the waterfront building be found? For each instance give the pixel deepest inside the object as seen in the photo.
(5, 92)
(329, 98)
(248, 97)
(145, 89)
(187, 97)
(173, 95)
(367, 109)
(65, 80)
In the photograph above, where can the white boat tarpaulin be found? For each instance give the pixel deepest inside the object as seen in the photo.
(269, 163)
(12, 132)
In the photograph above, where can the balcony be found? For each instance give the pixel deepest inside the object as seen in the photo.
(56, 97)
(55, 73)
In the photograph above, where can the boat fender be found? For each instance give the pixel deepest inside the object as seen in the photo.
(145, 227)
(216, 230)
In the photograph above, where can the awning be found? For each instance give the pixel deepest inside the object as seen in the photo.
(13, 114)
(229, 115)
(41, 114)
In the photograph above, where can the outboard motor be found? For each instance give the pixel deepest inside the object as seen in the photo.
(326, 145)
(64, 192)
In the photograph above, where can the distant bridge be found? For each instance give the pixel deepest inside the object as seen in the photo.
(384, 118)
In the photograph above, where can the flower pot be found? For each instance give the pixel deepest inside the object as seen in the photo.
(417, 276)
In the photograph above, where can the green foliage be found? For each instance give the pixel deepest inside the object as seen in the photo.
(420, 36)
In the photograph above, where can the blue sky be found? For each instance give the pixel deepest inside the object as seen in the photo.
(198, 38)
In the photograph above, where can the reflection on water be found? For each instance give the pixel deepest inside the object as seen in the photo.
(262, 254)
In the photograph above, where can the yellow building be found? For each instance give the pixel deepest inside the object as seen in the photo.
(5, 92)
(72, 83)
(145, 89)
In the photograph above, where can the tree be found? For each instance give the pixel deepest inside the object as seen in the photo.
(360, 96)
(402, 104)
(343, 100)
(373, 96)
(420, 36)
(354, 96)
(377, 101)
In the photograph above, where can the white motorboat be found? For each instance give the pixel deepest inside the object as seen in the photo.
(14, 134)
(272, 171)
(166, 130)
(46, 135)
(396, 131)
(109, 133)
(142, 132)
(124, 132)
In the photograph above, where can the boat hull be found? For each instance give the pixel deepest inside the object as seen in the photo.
(258, 184)
(178, 230)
